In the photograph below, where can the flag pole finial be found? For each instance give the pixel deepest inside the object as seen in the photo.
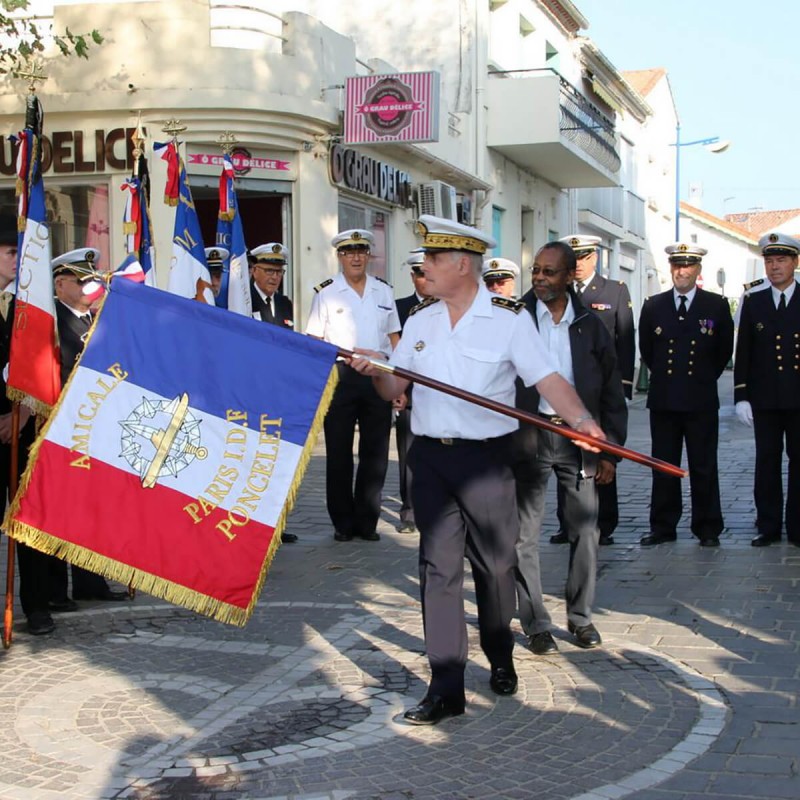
(173, 127)
(227, 141)
(33, 72)
(137, 139)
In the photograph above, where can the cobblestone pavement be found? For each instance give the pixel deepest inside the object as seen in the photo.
(693, 695)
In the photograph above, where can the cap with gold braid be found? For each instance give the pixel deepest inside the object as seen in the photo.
(499, 268)
(446, 234)
(582, 244)
(778, 244)
(216, 257)
(272, 251)
(681, 253)
(357, 237)
(81, 262)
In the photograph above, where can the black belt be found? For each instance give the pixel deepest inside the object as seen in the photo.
(452, 442)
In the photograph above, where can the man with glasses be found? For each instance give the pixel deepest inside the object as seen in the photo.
(355, 309)
(766, 390)
(267, 268)
(500, 276)
(268, 265)
(582, 348)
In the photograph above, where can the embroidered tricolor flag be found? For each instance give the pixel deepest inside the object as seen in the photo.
(136, 221)
(34, 372)
(176, 453)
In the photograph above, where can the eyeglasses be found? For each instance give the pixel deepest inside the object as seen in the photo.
(354, 253)
(547, 271)
(495, 281)
(271, 270)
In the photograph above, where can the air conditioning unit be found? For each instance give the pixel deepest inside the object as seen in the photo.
(437, 198)
(464, 208)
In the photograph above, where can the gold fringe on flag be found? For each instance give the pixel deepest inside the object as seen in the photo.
(170, 201)
(145, 581)
(129, 228)
(226, 216)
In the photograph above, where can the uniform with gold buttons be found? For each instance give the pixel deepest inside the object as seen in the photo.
(767, 387)
(686, 344)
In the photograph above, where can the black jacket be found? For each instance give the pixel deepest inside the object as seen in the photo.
(597, 381)
(282, 311)
(611, 301)
(685, 358)
(404, 305)
(767, 366)
(71, 339)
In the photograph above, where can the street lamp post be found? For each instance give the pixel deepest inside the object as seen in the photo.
(713, 144)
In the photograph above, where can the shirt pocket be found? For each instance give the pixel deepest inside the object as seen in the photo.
(478, 370)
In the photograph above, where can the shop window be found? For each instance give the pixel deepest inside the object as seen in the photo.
(357, 215)
(78, 217)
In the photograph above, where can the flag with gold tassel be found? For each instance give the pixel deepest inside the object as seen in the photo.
(178, 473)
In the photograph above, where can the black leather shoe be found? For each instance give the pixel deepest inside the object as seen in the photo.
(542, 644)
(657, 538)
(40, 623)
(343, 537)
(765, 541)
(288, 538)
(559, 538)
(710, 541)
(63, 606)
(503, 680)
(586, 636)
(606, 539)
(109, 595)
(406, 527)
(372, 536)
(432, 710)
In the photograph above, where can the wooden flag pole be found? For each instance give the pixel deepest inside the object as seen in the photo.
(524, 416)
(13, 482)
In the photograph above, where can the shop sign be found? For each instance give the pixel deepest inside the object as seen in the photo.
(403, 107)
(353, 170)
(243, 162)
(69, 152)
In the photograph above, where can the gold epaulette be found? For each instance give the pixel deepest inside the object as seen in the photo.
(428, 301)
(507, 302)
(752, 284)
(323, 284)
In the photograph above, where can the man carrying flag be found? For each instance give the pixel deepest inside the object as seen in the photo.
(188, 274)
(234, 293)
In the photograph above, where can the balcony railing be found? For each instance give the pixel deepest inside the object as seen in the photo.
(606, 203)
(579, 120)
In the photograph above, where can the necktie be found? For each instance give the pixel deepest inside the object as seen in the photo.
(682, 307)
(5, 303)
(270, 316)
(579, 286)
(782, 302)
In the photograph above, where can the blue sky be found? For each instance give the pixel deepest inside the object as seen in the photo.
(734, 69)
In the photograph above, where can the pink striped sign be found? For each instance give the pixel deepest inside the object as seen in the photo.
(403, 107)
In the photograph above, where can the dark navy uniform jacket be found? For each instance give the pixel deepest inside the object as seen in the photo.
(611, 301)
(282, 308)
(685, 358)
(767, 366)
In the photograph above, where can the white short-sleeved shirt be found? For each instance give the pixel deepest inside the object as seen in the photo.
(483, 354)
(341, 316)
(556, 340)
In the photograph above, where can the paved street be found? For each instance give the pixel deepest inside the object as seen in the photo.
(694, 694)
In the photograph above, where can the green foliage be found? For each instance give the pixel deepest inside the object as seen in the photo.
(21, 39)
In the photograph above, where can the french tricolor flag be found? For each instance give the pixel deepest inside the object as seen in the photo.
(34, 369)
(178, 463)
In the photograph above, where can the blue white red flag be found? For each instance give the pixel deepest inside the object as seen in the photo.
(234, 291)
(179, 463)
(188, 273)
(34, 376)
(136, 221)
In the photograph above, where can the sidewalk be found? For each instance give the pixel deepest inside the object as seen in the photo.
(693, 695)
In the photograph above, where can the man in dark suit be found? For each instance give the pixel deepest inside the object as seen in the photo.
(267, 268)
(686, 340)
(216, 258)
(586, 358)
(71, 273)
(766, 381)
(611, 301)
(402, 424)
(34, 566)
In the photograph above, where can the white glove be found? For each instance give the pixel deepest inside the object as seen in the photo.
(745, 413)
